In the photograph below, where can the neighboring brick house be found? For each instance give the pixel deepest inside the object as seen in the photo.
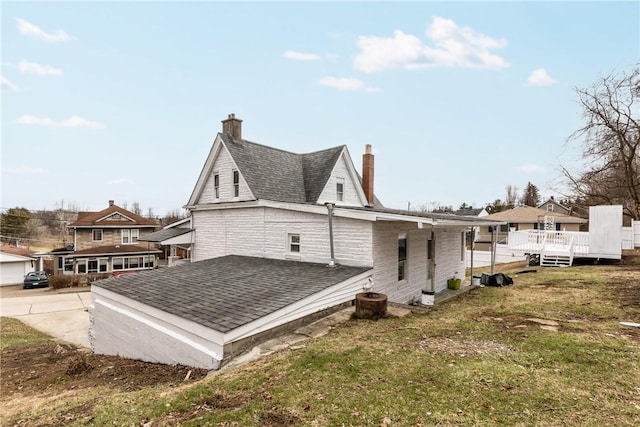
(107, 241)
(277, 237)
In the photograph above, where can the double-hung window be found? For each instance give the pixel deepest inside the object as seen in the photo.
(340, 190)
(130, 236)
(96, 235)
(402, 257)
(236, 184)
(294, 243)
(216, 186)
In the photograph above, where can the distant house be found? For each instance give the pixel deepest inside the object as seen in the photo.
(15, 263)
(552, 205)
(176, 238)
(107, 241)
(277, 238)
(525, 218)
(479, 212)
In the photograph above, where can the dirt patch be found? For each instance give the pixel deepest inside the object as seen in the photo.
(47, 368)
(463, 347)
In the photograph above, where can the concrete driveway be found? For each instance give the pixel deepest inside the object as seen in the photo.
(62, 314)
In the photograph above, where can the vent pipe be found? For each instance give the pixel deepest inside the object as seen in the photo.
(330, 206)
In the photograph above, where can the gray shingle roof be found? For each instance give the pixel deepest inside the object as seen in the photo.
(279, 175)
(228, 292)
(162, 235)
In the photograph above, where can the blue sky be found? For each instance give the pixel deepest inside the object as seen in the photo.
(122, 100)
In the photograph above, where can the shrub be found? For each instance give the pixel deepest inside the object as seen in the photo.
(60, 281)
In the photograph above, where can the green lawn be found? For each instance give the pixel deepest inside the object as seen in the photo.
(484, 359)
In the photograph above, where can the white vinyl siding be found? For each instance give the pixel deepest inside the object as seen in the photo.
(223, 166)
(350, 193)
(261, 232)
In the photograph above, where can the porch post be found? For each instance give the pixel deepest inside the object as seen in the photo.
(473, 238)
(493, 249)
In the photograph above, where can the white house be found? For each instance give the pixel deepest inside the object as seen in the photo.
(277, 239)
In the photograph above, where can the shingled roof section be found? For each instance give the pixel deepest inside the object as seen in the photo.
(228, 292)
(272, 174)
(528, 214)
(317, 168)
(91, 219)
(278, 175)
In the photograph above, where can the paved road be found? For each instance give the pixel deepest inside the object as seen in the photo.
(63, 315)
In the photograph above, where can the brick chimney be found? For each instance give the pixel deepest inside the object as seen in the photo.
(111, 202)
(233, 127)
(367, 174)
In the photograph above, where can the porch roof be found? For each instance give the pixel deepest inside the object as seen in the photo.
(114, 250)
(169, 236)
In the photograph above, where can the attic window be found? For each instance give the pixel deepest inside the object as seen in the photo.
(340, 190)
(236, 184)
(550, 207)
(216, 186)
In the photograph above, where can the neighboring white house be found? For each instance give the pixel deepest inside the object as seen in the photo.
(14, 267)
(277, 239)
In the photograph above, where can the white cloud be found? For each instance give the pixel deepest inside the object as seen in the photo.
(300, 56)
(7, 85)
(119, 181)
(71, 122)
(540, 77)
(29, 29)
(452, 46)
(346, 84)
(25, 170)
(40, 70)
(531, 168)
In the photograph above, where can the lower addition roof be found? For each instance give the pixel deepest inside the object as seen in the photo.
(117, 250)
(228, 292)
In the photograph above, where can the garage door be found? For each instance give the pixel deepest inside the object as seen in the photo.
(12, 273)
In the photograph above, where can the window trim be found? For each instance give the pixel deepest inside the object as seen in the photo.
(93, 235)
(216, 185)
(340, 191)
(291, 244)
(236, 183)
(402, 258)
(132, 236)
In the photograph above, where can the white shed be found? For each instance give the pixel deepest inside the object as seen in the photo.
(13, 268)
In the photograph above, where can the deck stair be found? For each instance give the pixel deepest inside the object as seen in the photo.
(557, 253)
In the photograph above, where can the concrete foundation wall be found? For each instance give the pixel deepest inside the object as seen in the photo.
(122, 327)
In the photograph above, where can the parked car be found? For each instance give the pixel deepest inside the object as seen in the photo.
(36, 279)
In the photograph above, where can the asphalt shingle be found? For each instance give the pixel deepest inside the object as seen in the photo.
(228, 292)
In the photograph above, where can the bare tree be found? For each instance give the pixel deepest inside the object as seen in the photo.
(511, 196)
(610, 143)
(135, 208)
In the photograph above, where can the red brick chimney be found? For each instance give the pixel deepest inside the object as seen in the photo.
(233, 127)
(367, 174)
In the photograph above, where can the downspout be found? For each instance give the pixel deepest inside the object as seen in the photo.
(330, 206)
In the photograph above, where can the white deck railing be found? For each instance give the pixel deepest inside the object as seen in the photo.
(533, 241)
